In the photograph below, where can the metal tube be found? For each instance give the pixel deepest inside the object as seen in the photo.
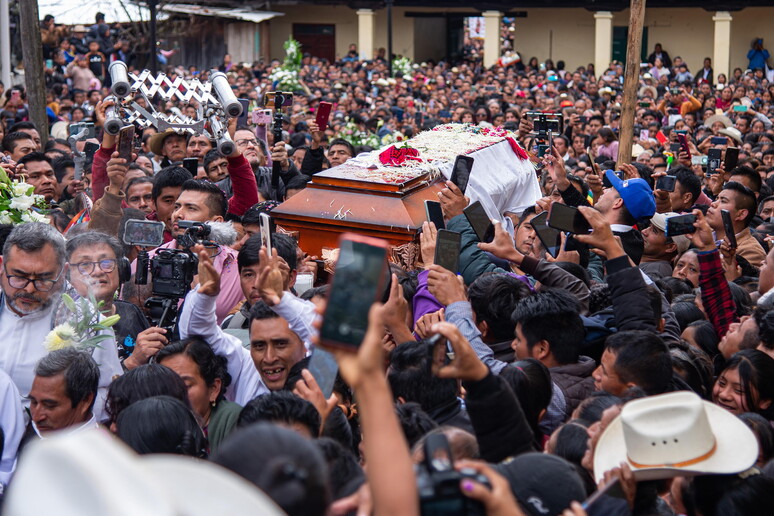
(225, 94)
(119, 76)
(5, 44)
(224, 143)
(389, 37)
(113, 122)
(154, 62)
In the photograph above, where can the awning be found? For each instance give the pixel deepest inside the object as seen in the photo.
(222, 12)
(80, 12)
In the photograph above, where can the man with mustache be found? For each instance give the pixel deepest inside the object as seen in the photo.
(32, 278)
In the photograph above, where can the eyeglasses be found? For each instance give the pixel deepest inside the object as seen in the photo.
(245, 143)
(41, 285)
(86, 268)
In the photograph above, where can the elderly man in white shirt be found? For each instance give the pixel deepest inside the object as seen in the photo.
(32, 280)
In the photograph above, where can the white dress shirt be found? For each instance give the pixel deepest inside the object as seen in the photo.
(21, 347)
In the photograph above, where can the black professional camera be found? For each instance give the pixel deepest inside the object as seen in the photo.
(438, 482)
(172, 272)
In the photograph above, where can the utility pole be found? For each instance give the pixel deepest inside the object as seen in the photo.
(5, 44)
(631, 81)
(34, 76)
(154, 62)
(389, 37)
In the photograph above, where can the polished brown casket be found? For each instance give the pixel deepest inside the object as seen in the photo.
(335, 202)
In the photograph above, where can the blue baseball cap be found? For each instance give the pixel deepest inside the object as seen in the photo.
(636, 194)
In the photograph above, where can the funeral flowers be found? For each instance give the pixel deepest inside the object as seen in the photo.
(18, 203)
(285, 76)
(84, 331)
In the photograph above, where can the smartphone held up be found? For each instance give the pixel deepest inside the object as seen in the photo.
(360, 280)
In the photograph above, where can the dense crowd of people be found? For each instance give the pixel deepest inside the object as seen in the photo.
(629, 361)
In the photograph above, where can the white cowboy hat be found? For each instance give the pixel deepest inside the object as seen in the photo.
(675, 434)
(733, 133)
(86, 473)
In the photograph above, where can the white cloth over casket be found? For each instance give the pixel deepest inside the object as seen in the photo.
(500, 181)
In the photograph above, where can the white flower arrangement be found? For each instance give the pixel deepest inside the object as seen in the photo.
(19, 203)
(84, 332)
(285, 76)
(402, 67)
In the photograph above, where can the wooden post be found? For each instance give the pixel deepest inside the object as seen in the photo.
(34, 76)
(631, 81)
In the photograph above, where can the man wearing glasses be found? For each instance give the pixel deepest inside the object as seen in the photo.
(32, 279)
(94, 260)
(249, 146)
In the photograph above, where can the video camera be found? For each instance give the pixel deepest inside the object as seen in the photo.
(438, 482)
(277, 100)
(172, 270)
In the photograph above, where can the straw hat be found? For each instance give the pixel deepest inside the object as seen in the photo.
(156, 141)
(718, 118)
(733, 133)
(675, 434)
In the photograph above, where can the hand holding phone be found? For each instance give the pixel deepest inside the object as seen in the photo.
(125, 143)
(666, 183)
(461, 172)
(728, 227)
(361, 273)
(568, 219)
(267, 228)
(480, 222)
(680, 225)
(434, 214)
(323, 112)
(447, 250)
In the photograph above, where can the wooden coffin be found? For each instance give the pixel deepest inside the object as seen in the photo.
(335, 202)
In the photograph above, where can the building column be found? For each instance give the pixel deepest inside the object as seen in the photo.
(492, 23)
(603, 40)
(365, 33)
(721, 55)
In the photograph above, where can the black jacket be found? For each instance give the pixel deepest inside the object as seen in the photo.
(500, 425)
(575, 381)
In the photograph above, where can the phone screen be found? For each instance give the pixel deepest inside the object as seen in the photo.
(719, 140)
(358, 282)
(461, 172)
(680, 225)
(267, 228)
(447, 250)
(480, 222)
(568, 219)
(126, 143)
(144, 233)
(434, 214)
(549, 237)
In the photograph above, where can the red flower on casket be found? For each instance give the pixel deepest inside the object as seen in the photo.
(397, 156)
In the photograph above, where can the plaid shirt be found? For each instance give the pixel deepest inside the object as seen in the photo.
(715, 292)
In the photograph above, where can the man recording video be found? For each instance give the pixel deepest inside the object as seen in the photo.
(202, 201)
